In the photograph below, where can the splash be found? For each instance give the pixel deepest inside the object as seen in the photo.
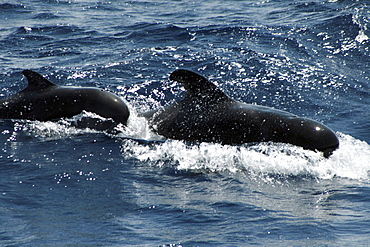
(350, 161)
(54, 130)
(360, 18)
(271, 159)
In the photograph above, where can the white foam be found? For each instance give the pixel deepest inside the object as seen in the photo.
(351, 160)
(51, 130)
(361, 37)
(137, 128)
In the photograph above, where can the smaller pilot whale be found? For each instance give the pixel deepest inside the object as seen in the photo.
(43, 100)
(207, 114)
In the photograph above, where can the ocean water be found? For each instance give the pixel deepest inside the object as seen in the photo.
(62, 186)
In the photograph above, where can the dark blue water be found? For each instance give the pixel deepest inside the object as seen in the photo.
(78, 187)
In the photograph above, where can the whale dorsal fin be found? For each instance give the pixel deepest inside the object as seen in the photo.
(36, 82)
(198, 86)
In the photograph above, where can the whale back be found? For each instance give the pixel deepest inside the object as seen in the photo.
(208, 114)
(43, 100)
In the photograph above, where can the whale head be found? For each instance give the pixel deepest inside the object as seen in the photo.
(313, 135)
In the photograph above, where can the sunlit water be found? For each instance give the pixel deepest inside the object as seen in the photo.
(62, 185)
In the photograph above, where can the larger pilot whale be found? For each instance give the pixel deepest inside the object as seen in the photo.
(43, 100)
(207, 114)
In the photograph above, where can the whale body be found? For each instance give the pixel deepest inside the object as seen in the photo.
(207, 114)
(43, 100)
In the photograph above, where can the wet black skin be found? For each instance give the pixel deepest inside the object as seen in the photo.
(43, 100)
(207, 114)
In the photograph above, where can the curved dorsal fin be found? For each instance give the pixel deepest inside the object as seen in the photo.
(198, 86)
(36, 82)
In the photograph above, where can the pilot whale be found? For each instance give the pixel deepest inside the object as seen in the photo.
(43, 100)
(207, 114)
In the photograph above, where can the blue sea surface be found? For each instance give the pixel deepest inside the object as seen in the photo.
(63, 186)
